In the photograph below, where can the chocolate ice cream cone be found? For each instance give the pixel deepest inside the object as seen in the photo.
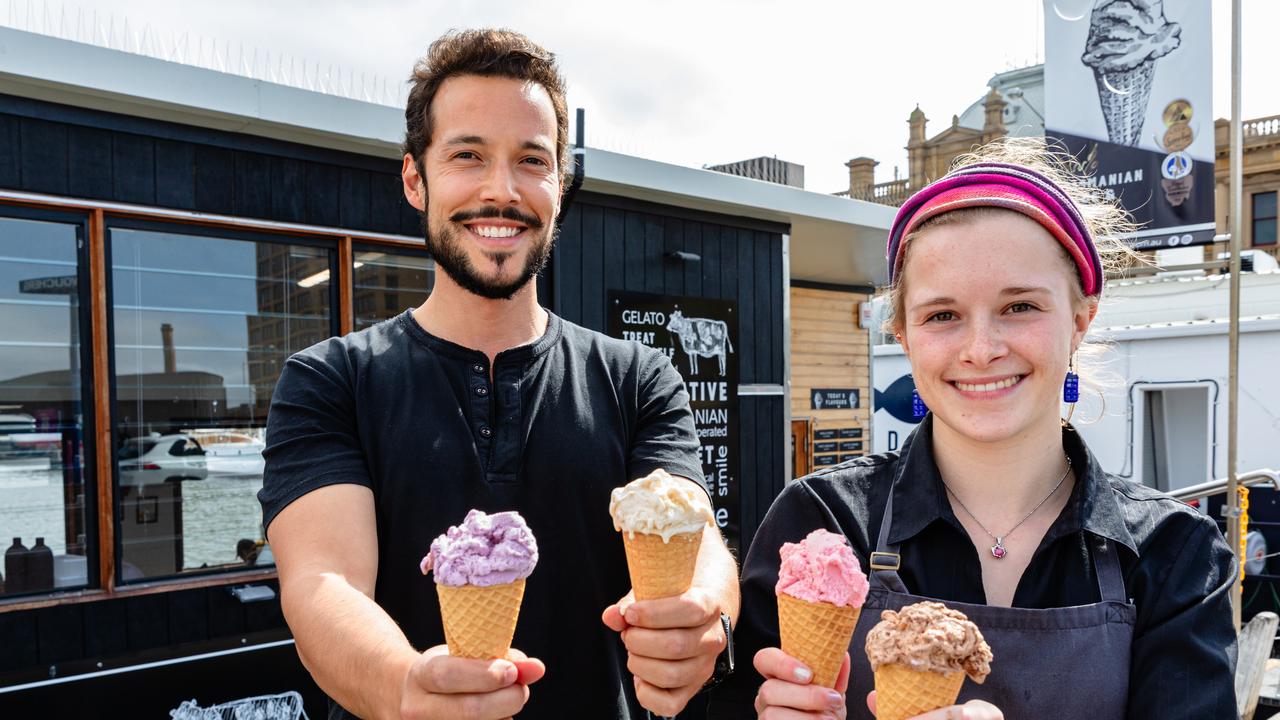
(902, 692)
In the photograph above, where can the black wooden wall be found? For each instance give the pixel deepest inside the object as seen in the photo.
(612, 243)
(88, 154)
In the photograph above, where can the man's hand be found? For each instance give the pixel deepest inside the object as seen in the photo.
(440, 686)
(672, 644)
(787, 691)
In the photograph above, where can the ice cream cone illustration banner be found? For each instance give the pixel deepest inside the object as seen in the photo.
(480, 568)
(661, 519)
(921, 655)
(1128, 91)
(820, 590)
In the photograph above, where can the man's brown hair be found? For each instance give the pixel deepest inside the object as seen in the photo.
(490, 53)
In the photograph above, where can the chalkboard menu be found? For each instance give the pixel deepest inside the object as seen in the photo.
(850, 445)
(699, 335)
(851, 432)
(825, 459)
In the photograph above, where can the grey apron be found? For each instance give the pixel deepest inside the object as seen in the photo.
(1070, 662)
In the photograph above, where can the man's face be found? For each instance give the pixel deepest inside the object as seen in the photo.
(492, 187)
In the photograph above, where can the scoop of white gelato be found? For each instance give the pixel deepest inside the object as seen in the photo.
(659, 504)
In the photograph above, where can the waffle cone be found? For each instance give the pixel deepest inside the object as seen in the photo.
(479, 621)
(1125, 108)
(817, 634)
(661, 569)
(902, 693)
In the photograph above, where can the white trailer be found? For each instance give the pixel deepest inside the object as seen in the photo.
(1163, 419)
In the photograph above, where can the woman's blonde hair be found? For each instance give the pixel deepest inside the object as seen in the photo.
(1107, 222)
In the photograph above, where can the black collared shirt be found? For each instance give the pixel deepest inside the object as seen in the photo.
(561, 423)
(1176, 564)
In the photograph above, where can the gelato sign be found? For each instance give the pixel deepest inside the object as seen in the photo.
(699, 336)
(1128, 91)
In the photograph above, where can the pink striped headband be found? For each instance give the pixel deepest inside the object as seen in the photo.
(1012, 187)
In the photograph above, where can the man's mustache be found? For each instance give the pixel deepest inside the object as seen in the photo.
(493, 212)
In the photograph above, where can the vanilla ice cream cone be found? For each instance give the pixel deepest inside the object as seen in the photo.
(817, 634)
(661, 569)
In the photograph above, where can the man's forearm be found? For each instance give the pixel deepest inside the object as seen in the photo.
(355, 652)
(717, 572)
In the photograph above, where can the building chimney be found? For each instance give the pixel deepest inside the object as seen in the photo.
(915, 149)
(862, 175)
(170, 355)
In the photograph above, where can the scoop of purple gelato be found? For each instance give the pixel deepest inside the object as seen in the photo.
(485, 550)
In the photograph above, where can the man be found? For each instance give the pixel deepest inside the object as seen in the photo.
(378, 441)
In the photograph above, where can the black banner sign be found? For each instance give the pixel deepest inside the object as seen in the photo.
(699, 335)
(833, 398)
(821, 447)
(851, 432)
(850, 456)
(851, 445)
(828, 434)
(825, 459)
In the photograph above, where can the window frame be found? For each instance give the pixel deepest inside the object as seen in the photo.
(88, 428)
(1254, 218)
(95, 215)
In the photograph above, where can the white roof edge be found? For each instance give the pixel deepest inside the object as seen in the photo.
(84, 75)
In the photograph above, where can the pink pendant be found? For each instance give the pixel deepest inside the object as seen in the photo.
(998, 550)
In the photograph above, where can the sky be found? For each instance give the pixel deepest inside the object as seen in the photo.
(693, 82)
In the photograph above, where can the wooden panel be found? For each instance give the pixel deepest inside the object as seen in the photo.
(410, 220)
(615, 223)
(346, 309)
(653, 275)
(322, 195)
(593, 282)
(746, 297)
(215, 180)
(691, 237)
(60, 634)
(567, 279)
(133, 175)
(147, 621)
(673, 269)
(633, 242)
(288, 184)
(44, 164)
(711, 266)
(102, 446)
(761, 298)
(188, 615)
(776, 291)
(253, 185)
(91, 148)
(354, 198)
(105, 630)
(175, 174)
(386, 193)
(10, 152)
(829, 350)
(18, 638)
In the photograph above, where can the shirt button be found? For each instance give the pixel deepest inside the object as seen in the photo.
(477, 368)
(481, 390)
(486, 432)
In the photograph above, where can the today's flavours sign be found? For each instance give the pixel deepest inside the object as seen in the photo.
(700, 336)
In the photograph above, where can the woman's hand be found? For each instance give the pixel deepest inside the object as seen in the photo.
(972, 710)
(786, 693)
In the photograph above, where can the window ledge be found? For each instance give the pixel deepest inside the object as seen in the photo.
(135, 589)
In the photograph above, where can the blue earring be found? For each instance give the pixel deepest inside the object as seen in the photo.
(918, 409)
(1071, 386)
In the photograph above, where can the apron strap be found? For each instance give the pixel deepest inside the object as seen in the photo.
(885, 561)
(1106, 565)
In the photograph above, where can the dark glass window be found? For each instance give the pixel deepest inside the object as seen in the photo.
(44, 407)
(1264, 218)
(202, 324)
(387, 281)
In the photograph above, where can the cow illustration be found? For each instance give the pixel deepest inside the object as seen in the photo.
(700, 336)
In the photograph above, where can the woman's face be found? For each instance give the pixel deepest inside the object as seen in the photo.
(989, 323)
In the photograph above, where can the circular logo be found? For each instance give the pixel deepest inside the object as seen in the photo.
(1178, 137)
(1177, 111)
(1176, 165)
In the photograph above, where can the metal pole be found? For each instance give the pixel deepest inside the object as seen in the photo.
(1233, 349)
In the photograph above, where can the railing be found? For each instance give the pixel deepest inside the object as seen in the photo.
(1216, 487)
(894, 192)
(1261, 127)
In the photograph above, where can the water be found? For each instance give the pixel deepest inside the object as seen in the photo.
(216, 513)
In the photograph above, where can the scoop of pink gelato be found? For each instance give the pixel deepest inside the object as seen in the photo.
(822, 568)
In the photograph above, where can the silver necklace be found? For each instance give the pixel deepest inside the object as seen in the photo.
(998, 550)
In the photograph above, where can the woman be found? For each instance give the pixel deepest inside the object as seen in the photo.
(1100, 598)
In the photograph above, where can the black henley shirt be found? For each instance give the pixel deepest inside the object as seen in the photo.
(561, 423)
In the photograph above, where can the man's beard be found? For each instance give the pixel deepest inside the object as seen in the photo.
(450, 255)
